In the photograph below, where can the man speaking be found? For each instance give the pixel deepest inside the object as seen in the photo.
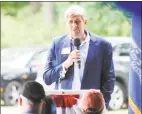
(79, 59)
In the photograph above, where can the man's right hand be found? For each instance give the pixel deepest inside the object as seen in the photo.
(73, 56)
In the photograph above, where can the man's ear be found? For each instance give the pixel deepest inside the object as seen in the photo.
(85, 22)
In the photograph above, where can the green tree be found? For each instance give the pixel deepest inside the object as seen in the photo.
(12, 8)
(33, 28)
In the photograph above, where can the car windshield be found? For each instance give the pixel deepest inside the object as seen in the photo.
(22, 60)
(15, 57)
(8, 55)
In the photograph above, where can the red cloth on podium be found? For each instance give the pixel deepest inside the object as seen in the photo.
(65, 100)
(67, 104)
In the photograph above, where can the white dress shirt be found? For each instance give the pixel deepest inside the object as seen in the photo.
(78, 73)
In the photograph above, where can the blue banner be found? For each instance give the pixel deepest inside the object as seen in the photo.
(135, 79)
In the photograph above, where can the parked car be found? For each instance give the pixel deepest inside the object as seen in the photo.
(17, 71)
(121, 49)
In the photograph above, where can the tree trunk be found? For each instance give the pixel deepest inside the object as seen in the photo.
(48, 10)
(35, 6)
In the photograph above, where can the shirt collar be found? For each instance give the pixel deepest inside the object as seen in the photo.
(85, 41)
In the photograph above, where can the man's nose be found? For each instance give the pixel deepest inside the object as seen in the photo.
(74, 24)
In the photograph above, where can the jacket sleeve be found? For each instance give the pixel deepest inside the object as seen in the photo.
(52, 68)
(108, 76)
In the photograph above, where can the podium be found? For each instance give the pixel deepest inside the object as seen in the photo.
(67, 101)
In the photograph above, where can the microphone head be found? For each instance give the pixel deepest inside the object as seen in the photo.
(77, 42)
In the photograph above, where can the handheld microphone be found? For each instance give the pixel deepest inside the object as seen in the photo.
(77, 44)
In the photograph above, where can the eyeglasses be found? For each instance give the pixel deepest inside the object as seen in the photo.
(20, 101)
(91, 111)
(22, 98)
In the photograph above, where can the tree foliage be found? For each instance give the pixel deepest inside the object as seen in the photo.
(104, 18)
(26, 28)
(12, 8)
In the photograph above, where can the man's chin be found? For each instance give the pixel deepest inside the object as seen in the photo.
(75, 35)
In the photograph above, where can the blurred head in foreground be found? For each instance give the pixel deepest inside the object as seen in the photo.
(92, 102)
(33, 100)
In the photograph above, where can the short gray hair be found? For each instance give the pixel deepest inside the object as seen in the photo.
(75, 10)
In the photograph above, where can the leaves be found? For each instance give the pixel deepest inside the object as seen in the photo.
(12, 8)
(21, 27)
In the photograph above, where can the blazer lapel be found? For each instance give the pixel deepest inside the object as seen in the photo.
(69, 75)
(66, 44)
(91, 54)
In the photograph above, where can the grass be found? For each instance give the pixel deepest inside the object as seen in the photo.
(121, 111)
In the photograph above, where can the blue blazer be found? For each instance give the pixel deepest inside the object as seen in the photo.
(98, 71)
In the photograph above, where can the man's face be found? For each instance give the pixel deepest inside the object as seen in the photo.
(76, 26)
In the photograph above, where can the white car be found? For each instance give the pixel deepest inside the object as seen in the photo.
(121, 49)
